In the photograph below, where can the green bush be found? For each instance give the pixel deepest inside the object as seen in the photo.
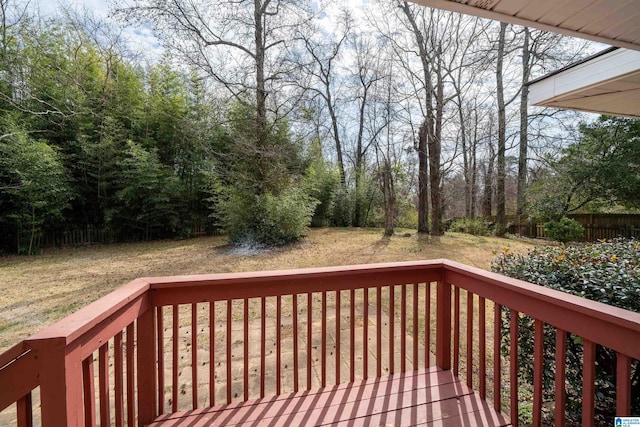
(565, 230)
(608, 272)
(474, 226)
(267, 219)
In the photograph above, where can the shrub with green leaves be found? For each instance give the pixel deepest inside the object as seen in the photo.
(474, 226)
(564, 230)
(608, 272)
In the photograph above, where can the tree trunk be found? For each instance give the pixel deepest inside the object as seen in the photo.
(524, 121)
(389, 198)
(261, 98)
(423, 178)
(487, 197)
(501, 218)
(434, 146)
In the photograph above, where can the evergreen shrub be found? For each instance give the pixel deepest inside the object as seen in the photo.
(564, 230)
(474, 226)
(608, 272)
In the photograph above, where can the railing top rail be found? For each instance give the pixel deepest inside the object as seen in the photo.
(225, 279)
(610, 326)
(83, 320)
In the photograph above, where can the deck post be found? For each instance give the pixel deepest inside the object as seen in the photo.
(146, 352)
(60, 382)
(443, 324)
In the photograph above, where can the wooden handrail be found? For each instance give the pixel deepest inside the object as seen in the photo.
(60, 358)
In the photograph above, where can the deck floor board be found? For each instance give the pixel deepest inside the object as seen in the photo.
(425, 397)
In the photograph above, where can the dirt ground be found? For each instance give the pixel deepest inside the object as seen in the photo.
(40, 290)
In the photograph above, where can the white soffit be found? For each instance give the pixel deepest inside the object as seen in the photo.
(608, 83)
(614, 22)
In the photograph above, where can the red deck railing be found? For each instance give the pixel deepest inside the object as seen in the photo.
(175, 343)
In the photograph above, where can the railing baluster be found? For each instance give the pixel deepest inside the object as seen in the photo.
(415, 326)
(118, 363)
(246, 349)
(538, 367)
(24, 411)
(427, 324)
(469, 339)
(103, 384)
(337, 355)
(497, 357)
(174, 354)
(160, 356)
(513, 367)
(623, 385)
(482, 343)
(89, 392)
(194, 356)
(391, 327)
(379, 331)
(263, 345)
(588, 382)
(229, 321)
(323, 313)
(212, 353)
(295, 343)
(309, 338)
(352, 338)
(456, 330)
(561, 364)
(365, 334)
(278, 344)
(403, 328)
(130, 349)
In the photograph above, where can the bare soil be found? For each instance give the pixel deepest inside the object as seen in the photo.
(40, 290)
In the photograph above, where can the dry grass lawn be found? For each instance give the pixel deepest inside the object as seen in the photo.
(37, 291)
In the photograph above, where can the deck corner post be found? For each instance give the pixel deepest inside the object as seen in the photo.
(146, 367)
(60, 370)
(443, 323)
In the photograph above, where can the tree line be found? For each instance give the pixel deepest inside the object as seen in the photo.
(261, 117)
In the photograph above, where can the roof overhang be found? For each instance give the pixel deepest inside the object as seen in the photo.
(614, 22)
(607, 83)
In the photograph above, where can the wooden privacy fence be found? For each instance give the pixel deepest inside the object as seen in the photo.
(596, 226)
(160, 345)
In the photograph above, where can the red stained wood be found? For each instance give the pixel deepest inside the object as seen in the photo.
(352, 335)
(212, 354)
(469, 339)
(513, 367)
(130, 349)
(146, 372)
(623, 385)
(309, 338)
(228, 362)
(296, 366)
(443, 324)
(379, 331)
(103, 383)
(497, 357)
(18, 376)
(432, 397)
(246, 350)
(403, 328)
(337, 354)
(365, 335)
(482, 344)
(24, 411)
(392, 335)
(194, 356)
(323, 314)
(89, 392)
(278, 344)
(118, 368)
(588, 383)
(415, 327)
(263, 342)
(175, 341)
(456, 330)
(560, 365)
(538, 367)
(427, 325)
(160, 358)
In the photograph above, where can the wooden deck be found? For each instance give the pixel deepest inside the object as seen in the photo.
(426, 397)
